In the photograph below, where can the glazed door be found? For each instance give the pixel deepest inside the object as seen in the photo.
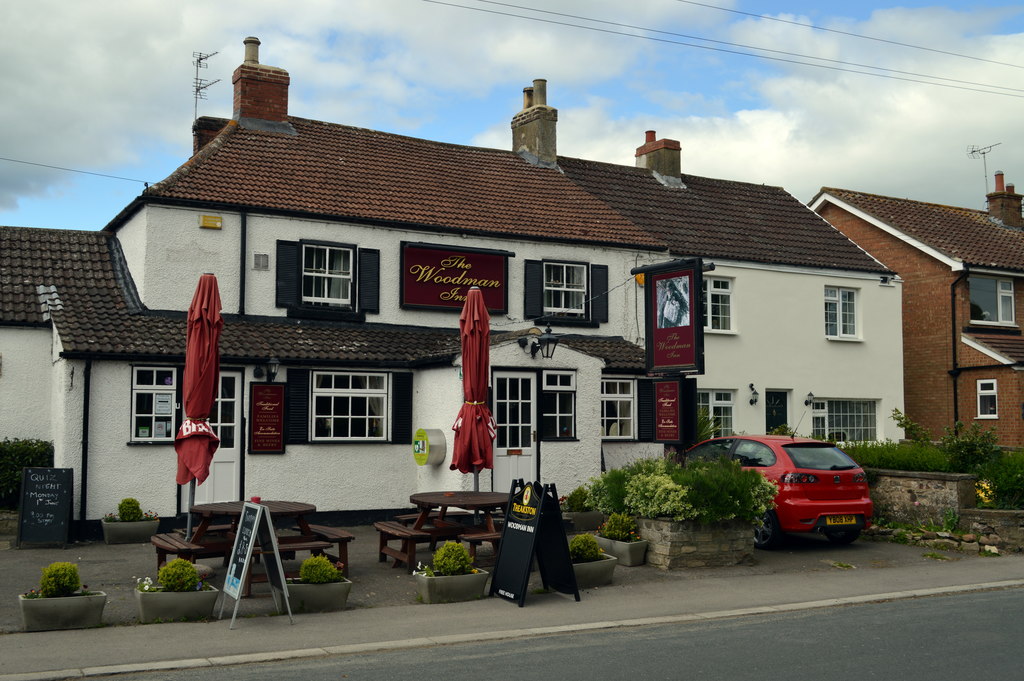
(775, 411)
(224, 482)
(515, 414)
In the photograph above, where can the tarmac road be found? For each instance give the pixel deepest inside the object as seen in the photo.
(383, 612)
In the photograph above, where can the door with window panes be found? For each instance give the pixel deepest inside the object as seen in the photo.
(224, 482)
(515, 416)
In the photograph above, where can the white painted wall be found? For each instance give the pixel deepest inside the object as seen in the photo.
(24, 398)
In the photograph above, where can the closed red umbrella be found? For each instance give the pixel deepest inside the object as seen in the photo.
(196, 442)
(474, 428)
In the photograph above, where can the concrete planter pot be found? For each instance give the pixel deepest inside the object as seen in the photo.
(172, 606)
(318, 597)
(596, 572)
(67, 612)
(137, 532)
(688, 544)
(584, 521)
(452, 588)
(629, 553)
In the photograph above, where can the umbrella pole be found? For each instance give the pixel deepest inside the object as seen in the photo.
(188, 511)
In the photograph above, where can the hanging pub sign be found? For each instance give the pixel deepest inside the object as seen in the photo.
(266, 418)
(674, 324)
(439, 277)
(668, 423)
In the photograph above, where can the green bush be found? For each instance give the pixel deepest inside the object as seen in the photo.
(608, 492)
(583, 548)
(656, 495)
(899, 456)
(970, 448)
(578, 500)
(911, 430)
(178, 575)
(59, 579)
(319, 570)
(452, 559)
(1005, 479)
(619, 527)
(129, 510)
(16, 455)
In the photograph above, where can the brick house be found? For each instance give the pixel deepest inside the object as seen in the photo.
(963, 301)
(341, 255)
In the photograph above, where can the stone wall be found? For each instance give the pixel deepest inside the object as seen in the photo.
(915, 497)
(689, 544)
(1005, 529)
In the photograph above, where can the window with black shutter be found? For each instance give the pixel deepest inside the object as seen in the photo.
(565, 293)
(326, 280)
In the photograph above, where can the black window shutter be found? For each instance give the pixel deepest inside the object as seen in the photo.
(287, 273)
(533, 289)
(401, 409)
(645, 410)
(297, 401)
(369, 280)
(599, 293)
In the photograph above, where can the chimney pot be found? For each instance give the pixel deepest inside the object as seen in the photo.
(999, 181)
(252, 50)
(527, 97)
(651, 136)
(1009, 189)
(533, 128)
(540, 92)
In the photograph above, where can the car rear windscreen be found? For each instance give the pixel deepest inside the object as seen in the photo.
(819, 457)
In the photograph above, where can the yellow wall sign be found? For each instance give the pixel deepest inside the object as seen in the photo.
(421, 447)
(211, 221)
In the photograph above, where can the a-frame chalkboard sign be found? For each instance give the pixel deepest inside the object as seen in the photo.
(533, 527)
(255, 526)
(45, 511)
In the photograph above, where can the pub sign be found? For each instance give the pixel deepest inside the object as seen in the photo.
(673, 302)
(439, 277)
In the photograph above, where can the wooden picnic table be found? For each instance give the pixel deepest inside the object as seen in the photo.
(484, 502)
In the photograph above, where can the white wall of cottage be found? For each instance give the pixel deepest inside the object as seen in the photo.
(26, 404)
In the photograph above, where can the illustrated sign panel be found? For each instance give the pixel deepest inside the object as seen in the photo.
(45, 510)
(674, 317)
(439, 277)
(266, 418)
(667, 411)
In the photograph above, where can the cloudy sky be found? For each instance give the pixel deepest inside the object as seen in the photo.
(106, 87)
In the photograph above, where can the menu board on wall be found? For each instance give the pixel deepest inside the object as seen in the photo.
(667, 403)
(266, 418)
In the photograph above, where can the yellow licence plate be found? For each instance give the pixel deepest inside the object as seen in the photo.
(840, 520)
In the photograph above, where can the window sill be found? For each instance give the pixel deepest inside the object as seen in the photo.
(843, 339)
(720, 332)
(559, 439)
(348, 442)
(566, 321)
(149, 443)
(301, 312)
(986, 418)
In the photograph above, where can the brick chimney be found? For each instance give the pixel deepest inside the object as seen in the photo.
(1004, 203)
(261, 92)
(533, 128)
(662, 157)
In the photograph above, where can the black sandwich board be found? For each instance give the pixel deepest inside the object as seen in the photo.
(255, 526)
(44, 513)
(533, 527)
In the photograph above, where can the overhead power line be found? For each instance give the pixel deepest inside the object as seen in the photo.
(73, 170)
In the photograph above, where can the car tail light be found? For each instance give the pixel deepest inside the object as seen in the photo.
(790, 478)
(860, 477)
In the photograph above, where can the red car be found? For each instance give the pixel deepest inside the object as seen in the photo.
(821, 489)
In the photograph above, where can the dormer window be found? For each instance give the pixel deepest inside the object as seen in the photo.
(991, 300)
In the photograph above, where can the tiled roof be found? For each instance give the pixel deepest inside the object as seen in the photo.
(963, 234)
(1010, 346)
(618, 354)
(343, 172)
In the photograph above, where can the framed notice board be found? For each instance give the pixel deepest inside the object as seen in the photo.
(44, 514)
(254, 526)
(266, 418)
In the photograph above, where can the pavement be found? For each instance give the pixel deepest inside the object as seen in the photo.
(383, 612)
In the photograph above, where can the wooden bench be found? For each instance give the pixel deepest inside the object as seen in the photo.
(410, 518)
(475, 538)
(286, 548)
(390, 530)
(335, 535)
(171, 543)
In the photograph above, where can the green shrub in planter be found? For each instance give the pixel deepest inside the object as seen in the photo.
(620, 527)
(59, 579)
(319, 570)
(583, 548)
(578, 501)
(129, 510)
(178, 575)
(452, 559)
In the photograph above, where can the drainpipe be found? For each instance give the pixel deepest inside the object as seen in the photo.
(954, 372)
(86, 390)
(242, 245)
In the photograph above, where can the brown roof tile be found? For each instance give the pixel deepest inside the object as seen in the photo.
(1007, 345)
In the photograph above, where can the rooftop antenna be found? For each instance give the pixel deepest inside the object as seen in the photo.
(975, 151)
(199, 85)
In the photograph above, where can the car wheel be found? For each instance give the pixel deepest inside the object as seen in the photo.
(844, 537)
(767, 534)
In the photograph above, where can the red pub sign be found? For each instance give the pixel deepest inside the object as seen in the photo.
(266, 418)
(439, 277)
(668, 426)
(674, 317)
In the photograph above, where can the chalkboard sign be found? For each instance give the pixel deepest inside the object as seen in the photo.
(45, 511)
(533, 526)
(254, 526)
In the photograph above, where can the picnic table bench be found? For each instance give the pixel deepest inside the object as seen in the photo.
(286, 547)
(408, 538)
(475, 536)
(334, 535)
(173, 543)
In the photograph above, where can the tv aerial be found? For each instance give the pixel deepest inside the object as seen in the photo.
(199, 85)
(974, 151)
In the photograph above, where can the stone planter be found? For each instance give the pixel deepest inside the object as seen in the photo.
(172, 606)
(67, 612)
(629, 553)
(595, 573)
(318, 597)
(584, 521)
(689, 544)
(451, 589)
(137, 532)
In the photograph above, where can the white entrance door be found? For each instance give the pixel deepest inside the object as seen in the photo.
(224, 482)
(515, 414)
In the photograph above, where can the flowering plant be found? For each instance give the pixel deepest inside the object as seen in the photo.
(619, 527)
(129, 511)
(58, 580)
(450, 559)
(179, 575)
